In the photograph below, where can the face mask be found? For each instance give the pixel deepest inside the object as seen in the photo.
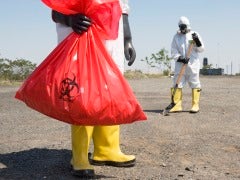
(183, 28)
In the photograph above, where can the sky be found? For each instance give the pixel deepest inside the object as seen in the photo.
(27, 31)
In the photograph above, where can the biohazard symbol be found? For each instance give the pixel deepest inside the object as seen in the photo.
(68, 89)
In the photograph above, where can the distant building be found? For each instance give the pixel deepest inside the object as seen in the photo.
(208, 70)
(213, 71)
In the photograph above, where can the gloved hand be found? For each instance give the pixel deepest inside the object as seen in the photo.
(183, 60)
(129, 51)
(196, 40)
(78, 22)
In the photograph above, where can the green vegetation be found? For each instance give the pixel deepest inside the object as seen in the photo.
(161, 61)
(15, 70)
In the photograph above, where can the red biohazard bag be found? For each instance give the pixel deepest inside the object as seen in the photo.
(79, 83)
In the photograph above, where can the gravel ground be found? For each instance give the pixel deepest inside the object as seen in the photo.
(200, 146)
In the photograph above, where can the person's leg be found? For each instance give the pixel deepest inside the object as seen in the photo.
(107, 148)
(195, 84)
(177, 99)
(81, 137)
(195, 100)
(106, 138)
(177, 95)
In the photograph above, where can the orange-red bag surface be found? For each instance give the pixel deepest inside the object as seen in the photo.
(78, 82)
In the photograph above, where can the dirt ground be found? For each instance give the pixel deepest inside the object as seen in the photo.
(200, 146)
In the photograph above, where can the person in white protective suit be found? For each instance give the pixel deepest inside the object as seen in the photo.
(105, 138)
(179, 48)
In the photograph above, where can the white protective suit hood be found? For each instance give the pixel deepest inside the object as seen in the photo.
(184, 20)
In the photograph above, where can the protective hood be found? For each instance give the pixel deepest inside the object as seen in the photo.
(184, 20)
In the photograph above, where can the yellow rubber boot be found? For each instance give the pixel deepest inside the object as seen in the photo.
(177, 100)
(81, 137)
(195, 100)
(107, 148)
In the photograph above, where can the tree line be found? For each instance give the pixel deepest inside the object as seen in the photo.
(20, 69)
(15, 70)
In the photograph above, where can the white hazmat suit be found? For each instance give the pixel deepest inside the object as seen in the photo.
(105, 138)
(114, 47)
(179, 48)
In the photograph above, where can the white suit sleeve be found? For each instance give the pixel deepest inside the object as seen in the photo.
(174, 49)
(125, 6)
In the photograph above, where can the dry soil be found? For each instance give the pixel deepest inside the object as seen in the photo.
(200, 146)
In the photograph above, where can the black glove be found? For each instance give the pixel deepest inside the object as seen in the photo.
(196, 39)
(183, 60)
(79, 22)
(129, 51)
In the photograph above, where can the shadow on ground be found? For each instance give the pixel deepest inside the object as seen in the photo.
(153, 110)
(37, 164)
